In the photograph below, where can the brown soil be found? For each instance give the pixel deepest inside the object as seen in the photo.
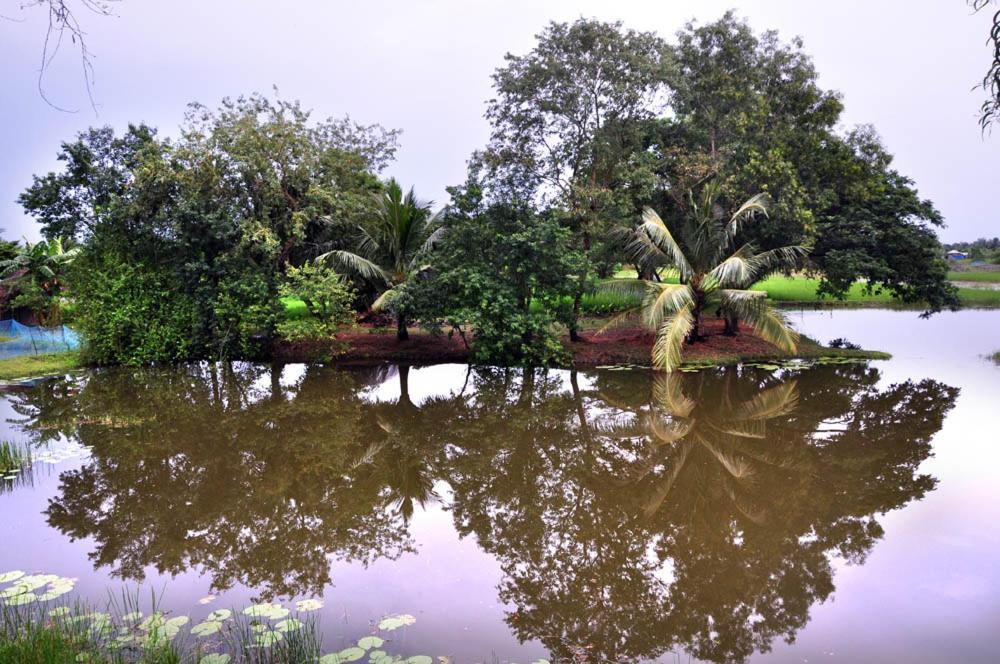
(627, 345)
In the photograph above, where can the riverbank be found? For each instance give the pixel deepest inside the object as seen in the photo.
(37, 366)
(621, 346)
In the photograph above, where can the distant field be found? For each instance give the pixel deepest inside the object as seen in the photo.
(986, 277)
(800, 289)
(788, 290)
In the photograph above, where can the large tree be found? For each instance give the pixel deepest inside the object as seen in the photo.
(185, 243)
(749, 109)
(564, 125)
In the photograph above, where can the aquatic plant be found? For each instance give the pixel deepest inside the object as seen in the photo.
(31, 622)
(13, 460)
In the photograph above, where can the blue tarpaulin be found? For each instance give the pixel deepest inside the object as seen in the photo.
(29, 340)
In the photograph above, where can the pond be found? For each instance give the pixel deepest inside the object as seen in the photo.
(807, 512)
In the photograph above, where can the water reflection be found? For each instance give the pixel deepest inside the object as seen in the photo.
(630, 515)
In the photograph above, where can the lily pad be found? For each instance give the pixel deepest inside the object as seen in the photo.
(219, 615)
(390, 623)
(268, 638)
(214, 658)
(370, 642)
(13, 575)
(59, 611)
(419, 659)
(379, 657)
(351, 654)
(206, 628)
(269, 610)
(207, 599)
(309, 605)
(288, 625)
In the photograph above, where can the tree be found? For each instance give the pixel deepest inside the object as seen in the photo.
(564, 125)
(38, 270)
(327, 299)
(876, 228)
(503, 269)
(714, 271)
(210, 223)
(990, 110)
(63, 21)
(752, 107)
(391, 247)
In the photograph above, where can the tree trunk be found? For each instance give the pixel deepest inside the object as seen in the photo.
(574, 334)
(404, 387)
(732, 325)
(402, 334)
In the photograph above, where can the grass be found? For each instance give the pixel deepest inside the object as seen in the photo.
(45, 633)
(996, 357)
(294, 308)
(4, 338)
(983, 277)
(32, 366)
(802, 290)
(12, 458)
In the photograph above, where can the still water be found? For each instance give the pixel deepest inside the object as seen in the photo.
(843, 512)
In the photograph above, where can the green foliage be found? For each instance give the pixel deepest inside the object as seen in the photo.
(878, 230)
(325, 297)
(391, 246)
(569, 122)
(185, 244)
(37, 272)
(503, 270)
(129, 313)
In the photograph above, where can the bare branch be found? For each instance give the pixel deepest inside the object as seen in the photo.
(63, 22)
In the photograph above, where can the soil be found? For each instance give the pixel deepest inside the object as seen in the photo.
(627, 345)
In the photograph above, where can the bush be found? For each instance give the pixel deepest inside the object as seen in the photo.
(326, 299)
(504, 270)
(127, 313)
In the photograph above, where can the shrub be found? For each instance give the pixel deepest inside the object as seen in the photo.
(327, 301)
(131, 314)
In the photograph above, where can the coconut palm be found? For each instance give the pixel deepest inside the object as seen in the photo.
(391, 247)
(713, 273)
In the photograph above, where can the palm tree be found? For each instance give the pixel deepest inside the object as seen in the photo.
(391, 246)
(712, 273)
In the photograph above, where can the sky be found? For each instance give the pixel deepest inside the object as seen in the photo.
(424, 66)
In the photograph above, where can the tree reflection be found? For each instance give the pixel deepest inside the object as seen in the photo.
(206, 467)
(631, 514)
(699, 512)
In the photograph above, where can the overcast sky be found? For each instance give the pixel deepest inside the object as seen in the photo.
(424, 67)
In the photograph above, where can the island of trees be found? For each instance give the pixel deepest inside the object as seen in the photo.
(657, 180)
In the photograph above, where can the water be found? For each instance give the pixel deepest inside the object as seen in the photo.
(607, 515)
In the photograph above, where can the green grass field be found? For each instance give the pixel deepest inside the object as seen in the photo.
(31, 366)
(294, 308)
(802, 290)
(983, 277)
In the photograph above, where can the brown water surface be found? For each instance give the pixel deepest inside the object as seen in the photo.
(607, 515)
